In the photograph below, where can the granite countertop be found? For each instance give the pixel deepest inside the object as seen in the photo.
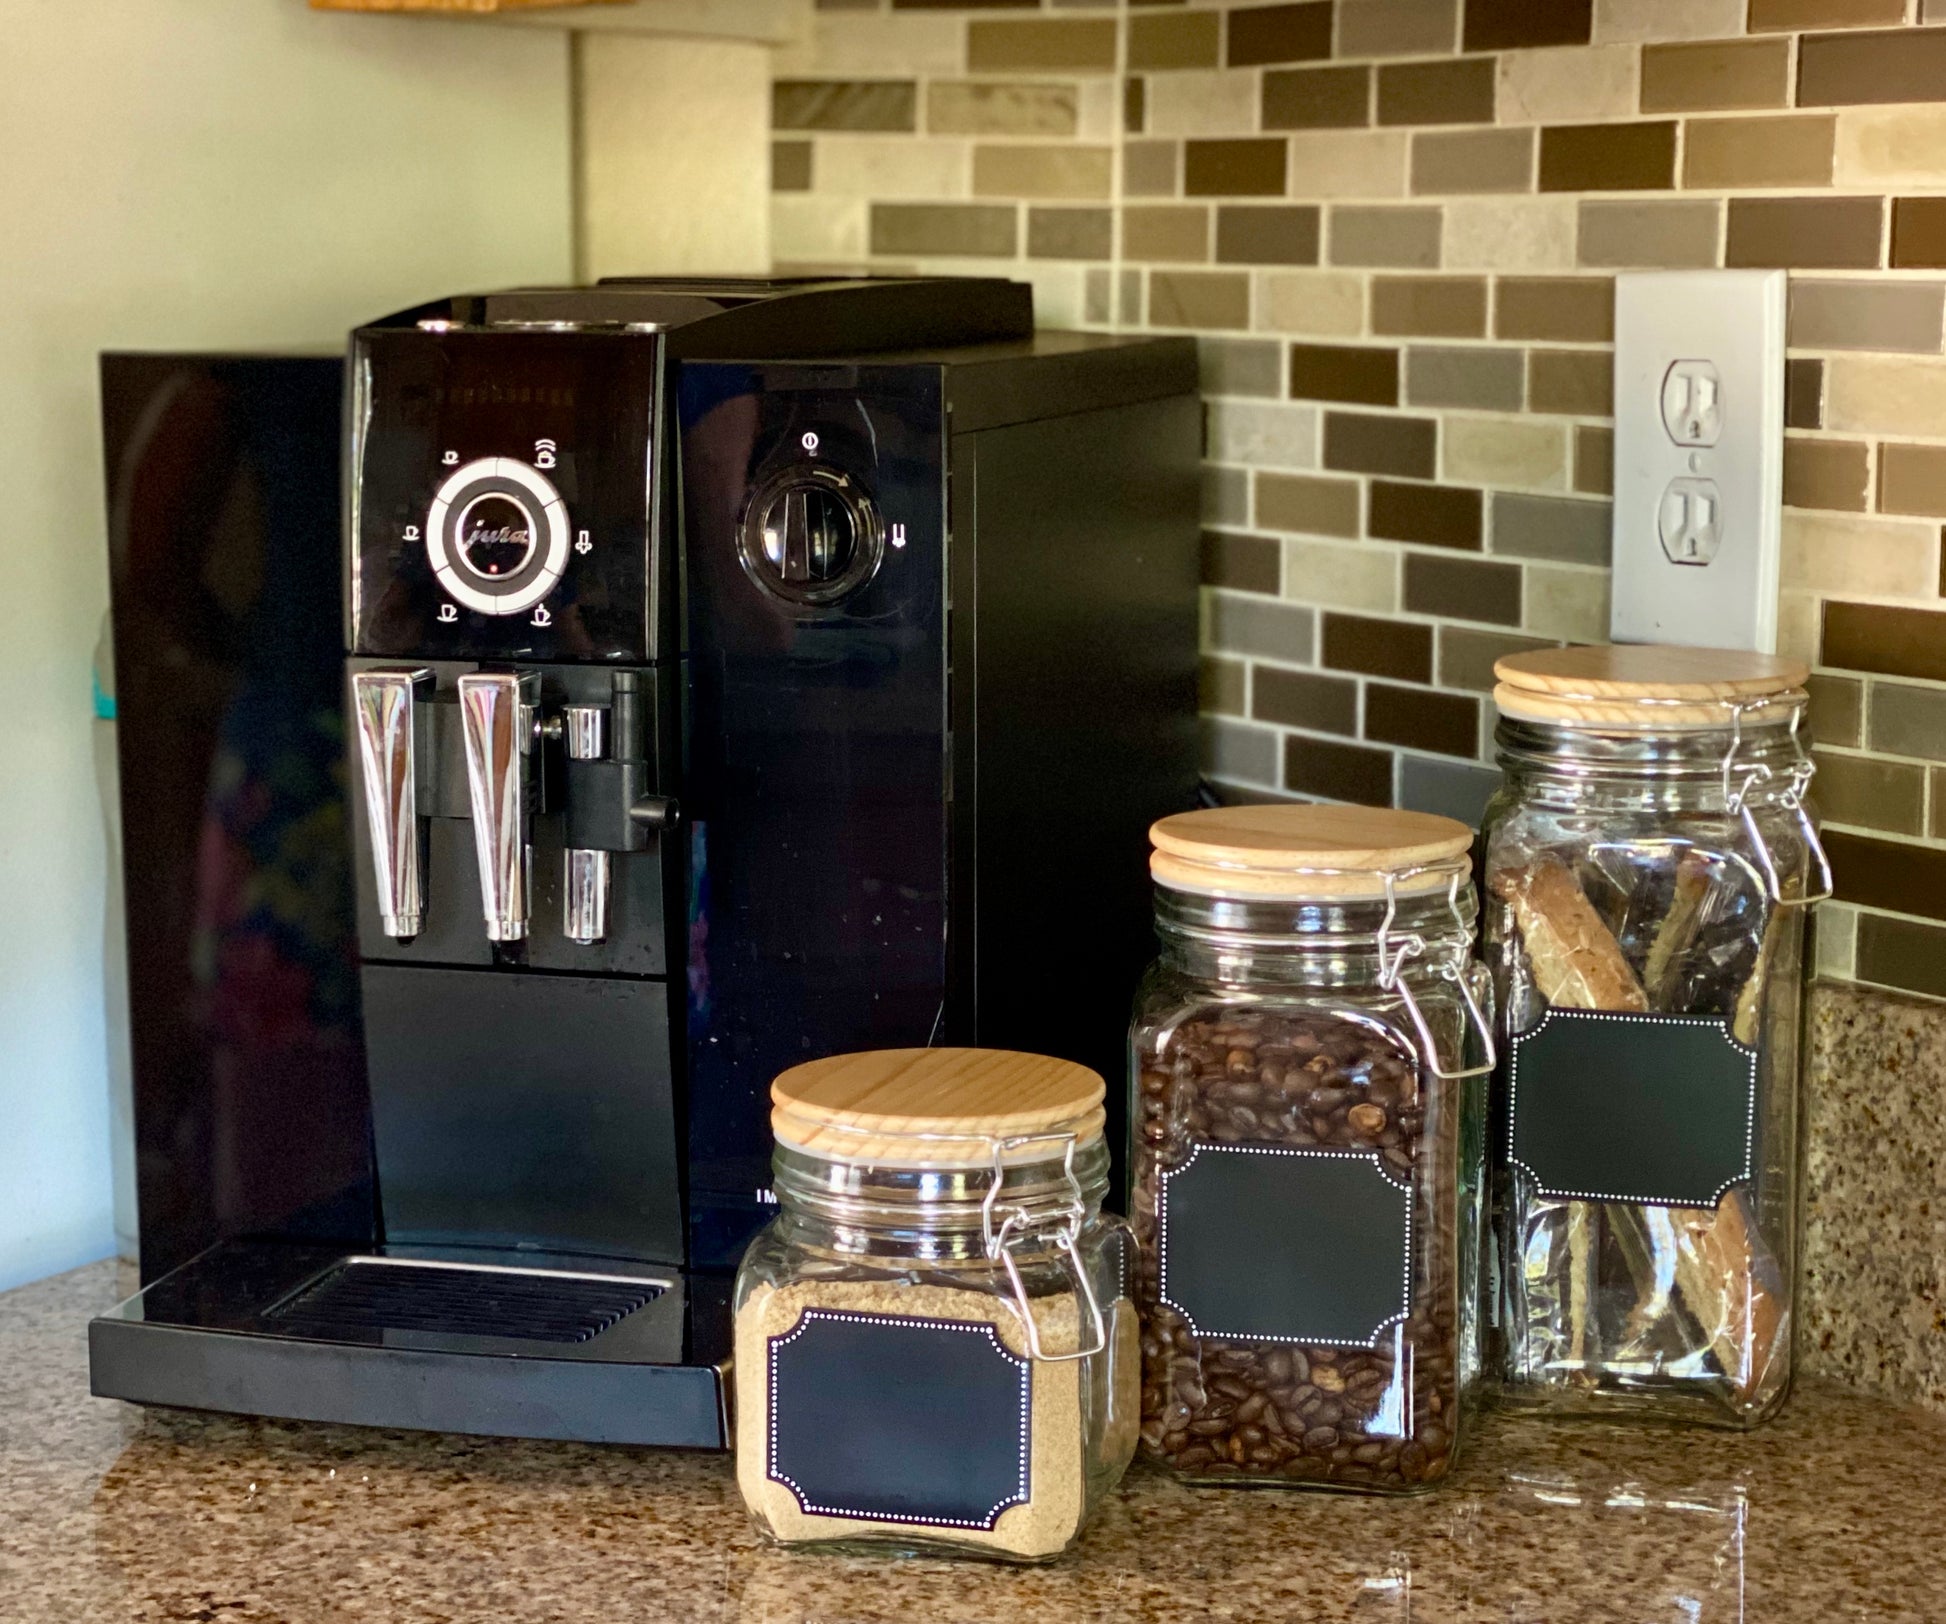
(109, 1513)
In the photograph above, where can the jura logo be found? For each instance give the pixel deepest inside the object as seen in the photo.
(480, 535)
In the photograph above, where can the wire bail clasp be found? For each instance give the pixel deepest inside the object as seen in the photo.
(1392, 961)
(1058, 1224)
(1736, 798)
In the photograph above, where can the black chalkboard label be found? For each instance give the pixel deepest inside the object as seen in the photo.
(1655, 1109)
(1273, 1244)
(890, 1419)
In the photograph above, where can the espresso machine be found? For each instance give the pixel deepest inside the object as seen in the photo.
(736, 672)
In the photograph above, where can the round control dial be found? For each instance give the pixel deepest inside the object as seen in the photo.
(497, 535)
(810, 535)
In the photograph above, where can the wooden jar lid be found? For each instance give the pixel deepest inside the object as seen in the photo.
(1305, 851)
(934, 1107)
(1645, 687)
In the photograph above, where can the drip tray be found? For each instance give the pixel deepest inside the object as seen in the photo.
(386, 1294)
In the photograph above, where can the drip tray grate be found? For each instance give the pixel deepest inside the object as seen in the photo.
(362, 1295)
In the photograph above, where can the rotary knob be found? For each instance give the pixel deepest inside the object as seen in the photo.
(497, 535)
(810, 536)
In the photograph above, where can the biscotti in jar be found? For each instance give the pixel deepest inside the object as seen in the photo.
(1308, 1055)
(1648, 865)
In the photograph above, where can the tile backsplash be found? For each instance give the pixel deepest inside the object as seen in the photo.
(1394, 225)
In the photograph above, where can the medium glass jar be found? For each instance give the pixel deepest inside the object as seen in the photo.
(1307, 1062)
(1648, 863)
(935, 1349)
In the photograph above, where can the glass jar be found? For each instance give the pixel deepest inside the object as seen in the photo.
(1307, 1064)
(1648, 863)
(935, 1350)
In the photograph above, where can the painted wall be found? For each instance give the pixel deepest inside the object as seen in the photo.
(230, 173)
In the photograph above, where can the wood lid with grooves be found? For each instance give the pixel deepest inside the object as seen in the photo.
(1300, 851)
(934, 1107)
(1646, 687)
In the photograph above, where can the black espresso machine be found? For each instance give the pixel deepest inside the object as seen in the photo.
(738, 672)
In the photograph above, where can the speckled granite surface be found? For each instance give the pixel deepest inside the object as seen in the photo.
(1874, 1294)
(108, 1514)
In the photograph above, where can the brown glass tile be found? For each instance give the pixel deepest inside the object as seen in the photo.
(1555, 309)
(1246, 563)
(942, 5)
(1938, 829)
(1128, 298)
(1804, 394)
(1594, 459)
(1456, 92)
(1240, 366)
(1888, 795)
(1837, 708)
(1364, 443)
(1888, 874)
(1307, 503)
(1135, 105)
(1397, 27)
(1305, 699)
(1661, 236)
(1639, 157)
(1357, 373)
(1363, 235)
(1826, 474)
(1911, 479)
(1149, 168)
(1165, 231)
(1918, 232)
(1435, 515)
(1703, 75)
(1878, 637)
(984, 107)
(1070, 233)
(1860, 315)
(1248, 234)
(1907, 721)
(1429, 306)
(1317, 98)
(844, 104)
(1466, 656)
(1221, 686)
(1446, 724)
(1462, 588)
(1900, 65)
(1574, 383)
(1003, 45)
(790, 166)
(1467, 376)
(1758, 152)
(1458, 163)
(1378, 648)
(1817, 232)
(1300, 33)
(1181, 39)
(1014, 169)
(1199, 299)
(1236, 168)
(1337, 772)
(1901, 953)
(954, 229)
(1500, 25)
(1555, 529)
(1789, 16)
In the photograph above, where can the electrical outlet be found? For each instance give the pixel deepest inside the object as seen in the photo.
(1699, 456)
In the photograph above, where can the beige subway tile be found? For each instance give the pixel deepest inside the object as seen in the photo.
(1871, 794)
(1658, 235)
(1832, 474)
(1891, 146)
(1709, 74)
(1348, 163)
(1060, 233)
(1199, 299)
(1429, 306)
(1471, 377)
(1797, 626)
(807, 228)
(840, 43)
(1594, 459)
(1201, 103)
(1005, 44)
(1060, 295)
(1151, 168)
(1634, 22)
(1572, 383)
(1566, 85)
(1863, 557)
(1469, 162)
(870, 166)
(1723, 153)
(1025, 171)
(1571, 604)
(1308, 503)
(1510, 234)
(1165, 231)
(1267, 234)
(1326, 304)
(1790, 15)
(978, 107)
(1872, 394)
(1263, 435)
(1397, 27)
(1555, 309)
(1359, 576)
(1866, 315)
(1407, 238)
(1173, 39)
(1504, 452)
(1100, 115)
(1912, 479)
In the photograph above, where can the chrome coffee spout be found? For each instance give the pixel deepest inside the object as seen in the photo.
(497, 715)
(384, 703)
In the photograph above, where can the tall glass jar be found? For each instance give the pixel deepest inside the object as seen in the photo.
(1648, 863)
(935, 1350)
(1307, 1060)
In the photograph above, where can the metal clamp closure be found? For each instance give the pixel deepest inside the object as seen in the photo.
(1057, 1224)
(1394, 954)
(1741, 777)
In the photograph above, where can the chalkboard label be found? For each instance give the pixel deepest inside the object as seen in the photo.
(1269, 1244)
(1655, 1109)
(889, 1419)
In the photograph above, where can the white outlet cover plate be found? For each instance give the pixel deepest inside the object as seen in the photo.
(1734, 320)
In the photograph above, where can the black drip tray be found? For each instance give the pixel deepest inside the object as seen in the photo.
(362, 1295)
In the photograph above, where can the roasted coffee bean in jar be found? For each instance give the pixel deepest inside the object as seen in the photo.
(1649, 862)
(1308, 1055)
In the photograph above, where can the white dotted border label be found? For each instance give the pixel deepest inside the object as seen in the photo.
(1377, 1163)
(1023, 1485)
(1749, 1117)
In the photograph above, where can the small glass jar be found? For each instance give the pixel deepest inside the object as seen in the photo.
(935, 1349)
(1307, 1066)
(1648, 864)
